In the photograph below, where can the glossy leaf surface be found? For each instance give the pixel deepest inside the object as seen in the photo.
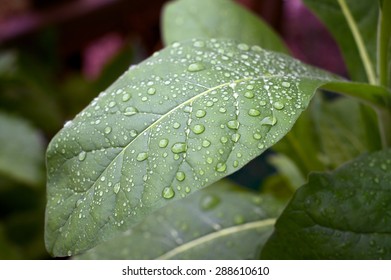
(222, 221)
(181, 120)
(187, 19)
(338, 215)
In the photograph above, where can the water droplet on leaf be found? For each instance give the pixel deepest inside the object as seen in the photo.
(254, 112)
(198, 128)
(180, 176)
(82, 156)
(179, 147)
(168, 192)
(142, 156)
(221, 167)
(200, 113)
(195, 67)
(233, 124)
(163, 143)
(129, 111)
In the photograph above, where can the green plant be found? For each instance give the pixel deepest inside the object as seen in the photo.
(124, 170)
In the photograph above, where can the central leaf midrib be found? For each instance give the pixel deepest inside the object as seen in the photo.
(163, 117)
(216, 234)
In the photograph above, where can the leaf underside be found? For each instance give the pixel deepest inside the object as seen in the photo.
(205, 225)
(338, 215)
(181, 120)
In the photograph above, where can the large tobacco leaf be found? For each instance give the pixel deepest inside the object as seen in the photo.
(222, 221)
(186, 117)
(340, 215)
(187, 19)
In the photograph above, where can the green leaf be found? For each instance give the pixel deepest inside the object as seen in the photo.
(288, 169)
(187, 19)
(385, 44)
(21, 150)
(184, 118)
(338, 215)
(341, 133)
(328, 134)
(232, 221)
(353, 24)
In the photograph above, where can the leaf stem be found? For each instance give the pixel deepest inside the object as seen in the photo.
(359, 42)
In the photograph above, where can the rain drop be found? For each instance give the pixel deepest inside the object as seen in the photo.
(195, 67)
(253, 112)
(116, 188)
(151, 91)
(205, 143)
(179, 147)
(235, 137)
(223, 139)
(249, 94)
(82, 156)
(286, 84)
(257, 136)
(243, 47)
(163, 143)
(200, 113)
(107, 129)
(278, 105)
(125, 97)
(176, 125)
(233, 124)
(168, 192)
(142, 156)
(198, 128)
(129, 111)
(133, 133)
(221, 167)
(269, 121)
(180, 176)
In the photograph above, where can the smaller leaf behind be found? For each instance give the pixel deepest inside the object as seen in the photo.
(21, 150)
(338, 215)
(223, 221)
(365, 14)
(187, 19)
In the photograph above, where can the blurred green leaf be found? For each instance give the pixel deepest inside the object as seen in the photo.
(21, 150)
(338, 215)
(222, 221)
(328, 134)
(287, 168)
(365, 16)
(340, 125)
(188, 19)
